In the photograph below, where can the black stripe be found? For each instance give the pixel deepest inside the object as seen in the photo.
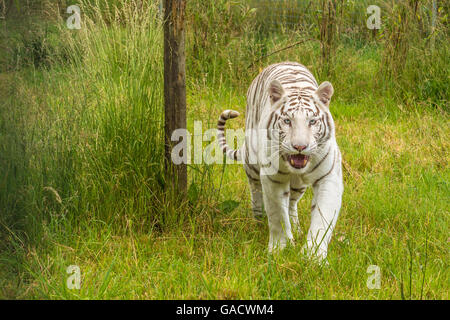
(301, 190)
(326, 174)
(274, 181)
(253, 168)
(276, 119)
(249, 174)
(251, 178)
(322, 119)
(293, 88)
(268, 124)
(328, 127)
(289, 81)
(321, 160)
(250, 143)
(254, 94)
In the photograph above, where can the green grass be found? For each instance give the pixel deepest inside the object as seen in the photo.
(81, 182)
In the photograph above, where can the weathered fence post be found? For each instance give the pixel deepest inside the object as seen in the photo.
(174, 87)
(433, 23)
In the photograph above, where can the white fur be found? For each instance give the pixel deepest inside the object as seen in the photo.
(278, 188)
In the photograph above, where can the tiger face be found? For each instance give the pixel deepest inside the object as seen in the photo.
(302, 120)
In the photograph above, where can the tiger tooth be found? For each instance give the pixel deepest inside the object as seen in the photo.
(292, 161)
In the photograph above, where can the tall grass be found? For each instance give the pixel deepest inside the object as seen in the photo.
(91, 148)
(415, 51)
(232, 36)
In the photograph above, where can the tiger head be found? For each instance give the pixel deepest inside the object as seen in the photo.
(302, 119)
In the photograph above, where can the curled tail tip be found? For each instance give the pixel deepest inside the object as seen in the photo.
(224, 116)
(230, 114)
(233, 114)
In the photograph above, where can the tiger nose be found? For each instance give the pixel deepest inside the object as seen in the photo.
(298, 147)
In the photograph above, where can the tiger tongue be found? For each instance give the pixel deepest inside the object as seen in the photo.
(298, 161)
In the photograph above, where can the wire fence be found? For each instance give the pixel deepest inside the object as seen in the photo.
(275, 14)
(345, 16)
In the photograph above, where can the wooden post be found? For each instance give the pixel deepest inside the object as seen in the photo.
(174, 87)
(433, 23)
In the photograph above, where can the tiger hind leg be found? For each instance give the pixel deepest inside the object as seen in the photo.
(256, 198)
(294, 196)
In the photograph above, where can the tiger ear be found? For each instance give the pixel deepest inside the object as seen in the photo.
(324, 93)
(276, 91)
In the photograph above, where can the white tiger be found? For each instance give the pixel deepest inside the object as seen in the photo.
(288, 122)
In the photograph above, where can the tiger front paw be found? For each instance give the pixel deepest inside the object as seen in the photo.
(315, 253)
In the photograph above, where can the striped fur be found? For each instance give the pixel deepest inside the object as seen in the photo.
(288, 122)
(226, 115)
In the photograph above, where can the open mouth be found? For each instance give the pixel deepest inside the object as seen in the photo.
(298, 161)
